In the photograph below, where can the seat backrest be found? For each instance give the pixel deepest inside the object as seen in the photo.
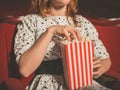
(7, 41)
(8, 66)
(3, 55)
(110, 37)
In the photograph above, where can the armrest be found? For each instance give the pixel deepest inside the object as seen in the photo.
(13, 84)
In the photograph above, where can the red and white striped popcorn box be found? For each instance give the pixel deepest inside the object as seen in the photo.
(77, 58)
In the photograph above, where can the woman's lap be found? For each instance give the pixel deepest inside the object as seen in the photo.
(56, 82)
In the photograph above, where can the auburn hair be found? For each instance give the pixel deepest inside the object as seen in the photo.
(42, 7)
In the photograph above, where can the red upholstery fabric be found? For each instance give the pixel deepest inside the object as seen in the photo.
(8, 68)
(104, 22)
(14, 84)
(110, 36)
(3, 55)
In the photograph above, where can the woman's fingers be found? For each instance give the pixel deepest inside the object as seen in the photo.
(96, 73)
(78, 35)
(96, 62)
(97, 66)
(73, 33)
(67, 36)
(69, 32)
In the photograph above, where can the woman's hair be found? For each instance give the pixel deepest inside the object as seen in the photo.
(42, 7)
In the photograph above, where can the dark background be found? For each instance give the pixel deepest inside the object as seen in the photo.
(91, 8)
(101, 8)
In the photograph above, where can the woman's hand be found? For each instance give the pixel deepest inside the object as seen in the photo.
(97, 68)
(100, 66)
(69, 32)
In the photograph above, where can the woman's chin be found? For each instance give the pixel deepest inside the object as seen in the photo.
(59, 4)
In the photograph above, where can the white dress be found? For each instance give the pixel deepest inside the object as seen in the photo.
(33, 26)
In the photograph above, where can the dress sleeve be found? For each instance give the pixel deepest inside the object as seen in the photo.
(99, 49)
(25, 36)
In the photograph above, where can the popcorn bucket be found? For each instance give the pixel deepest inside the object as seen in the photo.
(77, 58)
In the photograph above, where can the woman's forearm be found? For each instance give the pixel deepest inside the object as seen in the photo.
(32, 58)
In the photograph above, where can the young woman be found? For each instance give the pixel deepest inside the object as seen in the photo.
(37, 45)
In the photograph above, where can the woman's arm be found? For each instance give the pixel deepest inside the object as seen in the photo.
(32, 58)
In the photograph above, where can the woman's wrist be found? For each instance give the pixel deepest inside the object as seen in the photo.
(52, 31)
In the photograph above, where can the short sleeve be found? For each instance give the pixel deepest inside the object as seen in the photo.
(99, 49)
(25, 36)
